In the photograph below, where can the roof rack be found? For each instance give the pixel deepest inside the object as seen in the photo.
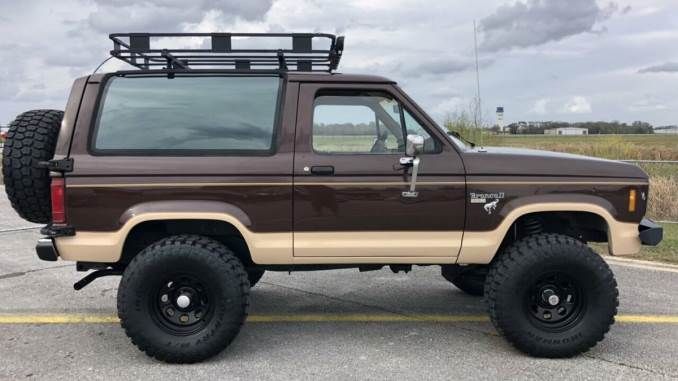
(136, 50)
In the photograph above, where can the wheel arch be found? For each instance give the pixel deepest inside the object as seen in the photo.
(163, 218)
(481, 247)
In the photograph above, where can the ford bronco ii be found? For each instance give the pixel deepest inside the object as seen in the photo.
(203, 168)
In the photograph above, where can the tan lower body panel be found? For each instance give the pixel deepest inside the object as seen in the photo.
(351, 247)
(378, 244)
(481, 247)
(107, 246)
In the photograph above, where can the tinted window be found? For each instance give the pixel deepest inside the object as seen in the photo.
(363, 123)
(188, 113)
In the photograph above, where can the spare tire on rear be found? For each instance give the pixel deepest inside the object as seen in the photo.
(31, 138)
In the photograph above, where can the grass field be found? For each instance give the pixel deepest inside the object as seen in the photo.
(618, 147)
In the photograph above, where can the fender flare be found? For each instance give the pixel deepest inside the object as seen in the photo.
(480, 247)
(107, 246)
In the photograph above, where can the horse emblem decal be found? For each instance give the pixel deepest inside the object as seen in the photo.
(491, 206)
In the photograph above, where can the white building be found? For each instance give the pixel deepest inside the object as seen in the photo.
(567, 131)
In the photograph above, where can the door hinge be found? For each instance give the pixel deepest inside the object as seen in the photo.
(58, 165)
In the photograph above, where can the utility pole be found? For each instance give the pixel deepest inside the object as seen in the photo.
(478, 114)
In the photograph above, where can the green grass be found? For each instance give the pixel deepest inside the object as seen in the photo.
(667, 250)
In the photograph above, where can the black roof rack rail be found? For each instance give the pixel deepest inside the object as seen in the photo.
(136, 50)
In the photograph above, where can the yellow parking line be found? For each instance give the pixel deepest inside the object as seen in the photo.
(648, 319)
(56, 318)
(76, 318)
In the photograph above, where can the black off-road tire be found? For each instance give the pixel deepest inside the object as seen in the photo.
(511, 281)
(221, 279)
(254, 276)
(31, 138)
(470, 279)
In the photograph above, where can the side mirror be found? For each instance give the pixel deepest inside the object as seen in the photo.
(414, 145)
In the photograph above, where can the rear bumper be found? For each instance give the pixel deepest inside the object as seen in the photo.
(46, 250)
(650, 233)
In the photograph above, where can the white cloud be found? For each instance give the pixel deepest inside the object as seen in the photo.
(451, 105)
(578, 105)
(540, 106)
(554, 49)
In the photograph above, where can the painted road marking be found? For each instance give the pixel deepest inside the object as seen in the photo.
(641, 265)
(76, 318)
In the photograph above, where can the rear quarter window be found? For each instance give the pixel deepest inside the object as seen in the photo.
(185, 115)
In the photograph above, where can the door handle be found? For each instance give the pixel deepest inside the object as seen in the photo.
(320, 170)
(414, 163)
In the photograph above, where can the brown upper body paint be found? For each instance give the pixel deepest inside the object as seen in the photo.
(276, 194)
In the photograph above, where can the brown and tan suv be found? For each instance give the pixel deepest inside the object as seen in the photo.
(194, 174)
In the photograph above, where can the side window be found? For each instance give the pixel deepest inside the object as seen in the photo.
(361, 123)
(414, 128)
(187, 115)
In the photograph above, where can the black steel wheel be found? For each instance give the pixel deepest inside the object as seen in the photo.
(555, 301)
(183, 299)
(552, 296)
(183, 305)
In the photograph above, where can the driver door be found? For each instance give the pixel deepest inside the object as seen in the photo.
(349, 184)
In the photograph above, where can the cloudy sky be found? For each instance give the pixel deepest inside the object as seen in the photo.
(571, 60)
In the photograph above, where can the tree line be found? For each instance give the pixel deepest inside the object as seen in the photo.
(595, 128)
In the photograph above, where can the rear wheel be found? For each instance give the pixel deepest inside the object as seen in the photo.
(551, 296)
(31, 138)
(183, 299)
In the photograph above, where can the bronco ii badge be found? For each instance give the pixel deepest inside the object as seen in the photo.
(490, 200)
(491, 206)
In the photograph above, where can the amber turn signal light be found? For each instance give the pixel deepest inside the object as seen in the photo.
(632, 200)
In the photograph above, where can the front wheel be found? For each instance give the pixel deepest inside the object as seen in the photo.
(551, 296)
(183, 299)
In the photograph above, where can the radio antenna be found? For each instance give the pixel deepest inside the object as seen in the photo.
(478, 112)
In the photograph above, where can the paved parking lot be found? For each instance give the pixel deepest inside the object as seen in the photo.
(330, 324)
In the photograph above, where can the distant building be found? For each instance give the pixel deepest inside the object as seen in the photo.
(567, 131)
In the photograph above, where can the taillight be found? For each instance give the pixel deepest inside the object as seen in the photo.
(58, 188)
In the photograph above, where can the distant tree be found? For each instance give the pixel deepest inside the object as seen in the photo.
(595, 128)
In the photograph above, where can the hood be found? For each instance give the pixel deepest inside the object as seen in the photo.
(530, 162)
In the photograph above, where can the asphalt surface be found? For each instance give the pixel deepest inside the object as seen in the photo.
(330, 324)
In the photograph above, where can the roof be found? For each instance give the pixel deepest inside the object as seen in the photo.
(336, 77)
(294, 76)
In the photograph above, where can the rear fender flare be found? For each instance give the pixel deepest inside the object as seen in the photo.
(107, 246)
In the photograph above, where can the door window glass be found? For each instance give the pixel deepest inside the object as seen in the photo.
(361, 123)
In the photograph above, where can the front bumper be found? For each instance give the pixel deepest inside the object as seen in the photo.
(46, 250)
(650, 232)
